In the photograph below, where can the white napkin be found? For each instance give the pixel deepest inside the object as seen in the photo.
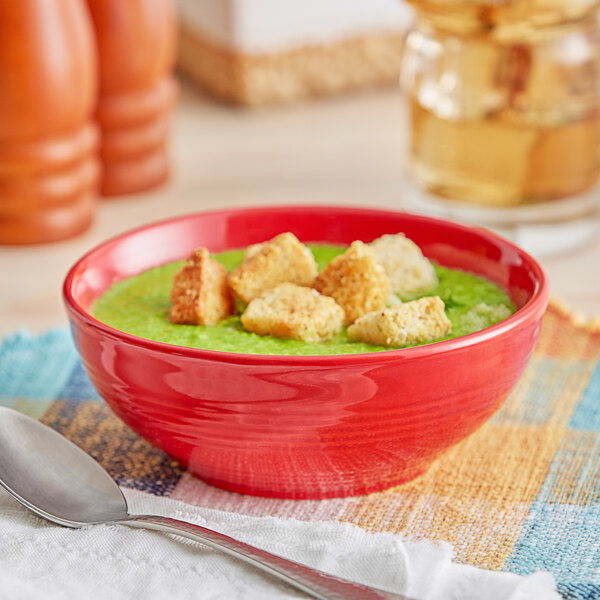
(42, 560)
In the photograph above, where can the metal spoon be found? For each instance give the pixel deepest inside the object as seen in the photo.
(58, 481)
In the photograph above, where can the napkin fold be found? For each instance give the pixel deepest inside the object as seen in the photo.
(42, 560)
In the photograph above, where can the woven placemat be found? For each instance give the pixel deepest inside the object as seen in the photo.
(521, 494)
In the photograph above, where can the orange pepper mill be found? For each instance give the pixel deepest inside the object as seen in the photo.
(136, 54)
(48, 141)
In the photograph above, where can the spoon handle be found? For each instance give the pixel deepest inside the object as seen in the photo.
(311, 581)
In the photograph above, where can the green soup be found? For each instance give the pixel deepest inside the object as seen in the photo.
(139, 305)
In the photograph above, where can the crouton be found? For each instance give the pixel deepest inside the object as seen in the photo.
(200, 294)
(253, 249)
(293, 312)
(410, 323)
(409, 272)
(282, 259)
(355, 281)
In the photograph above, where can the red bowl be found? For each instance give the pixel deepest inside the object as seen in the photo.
(305, 426)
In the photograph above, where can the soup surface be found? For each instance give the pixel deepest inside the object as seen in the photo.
(139, 305)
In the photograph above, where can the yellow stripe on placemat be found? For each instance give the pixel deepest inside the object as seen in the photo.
(475, 497)
(565, 334)
(32, 408)
(576, 472)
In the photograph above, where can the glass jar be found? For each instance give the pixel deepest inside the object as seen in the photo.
(503, 100)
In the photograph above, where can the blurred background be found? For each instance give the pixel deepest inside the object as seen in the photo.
(117, 113)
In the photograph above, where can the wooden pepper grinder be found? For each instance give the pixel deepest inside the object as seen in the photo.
(136, 47)
(48, 141)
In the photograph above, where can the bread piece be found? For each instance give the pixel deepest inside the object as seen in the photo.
(363, 61)
(282, 259)
(355, 281)
(200, 294)
(293, 312)
(409, 272)
(253, 249)
(411, 323)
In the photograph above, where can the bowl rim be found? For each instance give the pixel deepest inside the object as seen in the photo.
(534, 306)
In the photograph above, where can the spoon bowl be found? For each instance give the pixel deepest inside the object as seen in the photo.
(61, 483)
(53, 477)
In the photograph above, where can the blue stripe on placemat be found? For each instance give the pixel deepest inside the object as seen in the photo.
(561, 533)
(79, 386)
(579, 591)
(563, 539)
(36, 367)
(587, 413)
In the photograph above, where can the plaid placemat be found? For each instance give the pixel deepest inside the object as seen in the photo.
(521, 494)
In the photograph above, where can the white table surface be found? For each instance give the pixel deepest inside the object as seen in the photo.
(340, 151)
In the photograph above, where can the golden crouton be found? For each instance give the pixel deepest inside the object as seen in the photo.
(355, 281)
(403, 325)
(253, 249)
(200, 294)
(293, 312)
(282, 259)
(409, 272)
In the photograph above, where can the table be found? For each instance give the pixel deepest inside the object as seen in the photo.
(345, 150)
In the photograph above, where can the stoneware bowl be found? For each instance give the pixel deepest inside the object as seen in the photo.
(305, 426)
